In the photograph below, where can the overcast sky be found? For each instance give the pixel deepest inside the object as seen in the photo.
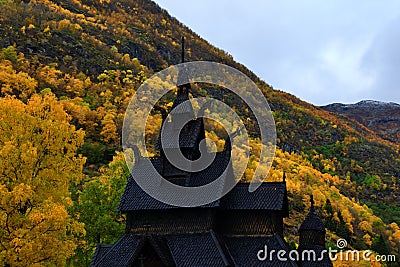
(322, 51)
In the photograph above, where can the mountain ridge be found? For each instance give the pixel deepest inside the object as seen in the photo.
(93, 55)
(382, 118)
(364, 103)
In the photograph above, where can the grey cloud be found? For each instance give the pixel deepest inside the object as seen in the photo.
(287, 43)
(383, 61)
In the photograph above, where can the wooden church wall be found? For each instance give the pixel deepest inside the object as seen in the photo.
(311, 237)
(170, 221)
(250, 222)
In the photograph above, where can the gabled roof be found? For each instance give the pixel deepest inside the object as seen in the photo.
(159, 245)
(187, 137)
(127, 249)
(244, 249)
(134, 198)
(101, 250)
(120, 254)
(269, 196)
(200, 249)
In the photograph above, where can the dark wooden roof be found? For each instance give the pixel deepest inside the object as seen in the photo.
(190, 133)
(244, 249)
(312, 222)
(134, 198)
(269, 196)
(203, 249)
(188, 136)
(199, 249)
(120, 254)
(128, 248)
(324, 262)
(101, 250)
(196, 249)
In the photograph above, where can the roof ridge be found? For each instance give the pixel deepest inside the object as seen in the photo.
(110, 249)
(217, 242)
(123, 197)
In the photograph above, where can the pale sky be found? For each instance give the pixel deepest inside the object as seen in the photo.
(322, 51)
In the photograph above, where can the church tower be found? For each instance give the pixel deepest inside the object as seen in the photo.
(229, 231)
(312, 230)
(312, 237)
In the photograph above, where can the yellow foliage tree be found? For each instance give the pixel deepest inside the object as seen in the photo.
(109, 130)
(37, 163)
(13, 83)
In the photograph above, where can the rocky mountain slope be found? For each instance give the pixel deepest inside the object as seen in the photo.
(382, 118)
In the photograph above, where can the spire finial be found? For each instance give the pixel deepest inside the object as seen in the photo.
(312, 203)
(183, 50)
(136, 152)
(183, 81)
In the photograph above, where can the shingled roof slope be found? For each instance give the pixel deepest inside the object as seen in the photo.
(159, 243)
(325, 261)
(134, 198)
(187, 137)
(120, 254)
(101, 250)
(199, 249)
(190, 133)
(269, 196)
(312, 222)
(244, 250)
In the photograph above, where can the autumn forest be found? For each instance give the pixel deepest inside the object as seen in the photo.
(68, 69)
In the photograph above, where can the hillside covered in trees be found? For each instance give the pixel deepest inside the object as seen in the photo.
(69, 68)
(380, 117)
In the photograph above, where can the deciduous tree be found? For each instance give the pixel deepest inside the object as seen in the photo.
(37, 163)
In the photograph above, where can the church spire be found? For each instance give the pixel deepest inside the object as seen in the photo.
(312, 230)
(183, 81)
(312, 209)
(183, 50)
(181, 117)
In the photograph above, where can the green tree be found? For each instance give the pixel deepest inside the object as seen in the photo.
(379, 245)
(96, 207)
(10, 54)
